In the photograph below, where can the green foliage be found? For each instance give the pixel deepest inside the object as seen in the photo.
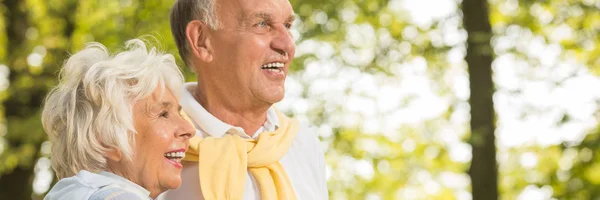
(363, 40)
(573, 26)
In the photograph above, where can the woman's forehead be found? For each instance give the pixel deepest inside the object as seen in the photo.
(162, 98)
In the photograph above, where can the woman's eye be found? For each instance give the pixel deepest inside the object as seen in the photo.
(164, 114)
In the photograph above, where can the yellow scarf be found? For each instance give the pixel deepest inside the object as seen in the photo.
(224, 163)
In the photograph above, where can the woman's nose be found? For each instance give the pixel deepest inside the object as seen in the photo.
(187, 129)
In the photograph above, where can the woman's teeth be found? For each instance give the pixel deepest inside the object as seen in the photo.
(175, 156)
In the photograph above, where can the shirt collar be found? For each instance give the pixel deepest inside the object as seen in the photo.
(209, 124)
(127, 184)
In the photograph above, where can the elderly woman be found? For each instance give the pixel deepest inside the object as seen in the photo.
(116, 127)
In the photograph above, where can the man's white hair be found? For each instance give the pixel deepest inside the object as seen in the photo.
(91, 110)
(185, 11)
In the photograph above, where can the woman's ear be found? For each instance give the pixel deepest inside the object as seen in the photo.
(196, 32)
(113, 155)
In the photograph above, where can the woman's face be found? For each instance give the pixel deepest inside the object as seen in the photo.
(160, 143)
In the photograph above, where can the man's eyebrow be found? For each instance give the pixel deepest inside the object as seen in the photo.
(291, 18)
(269, 17)
(263, 15)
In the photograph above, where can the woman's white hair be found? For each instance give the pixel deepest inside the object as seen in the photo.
(91, 110)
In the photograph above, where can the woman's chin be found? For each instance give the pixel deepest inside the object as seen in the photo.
(171, 176)
(172, 183)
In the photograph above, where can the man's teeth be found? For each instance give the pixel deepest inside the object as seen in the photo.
(273, 65)
(275, 70)
(276, 67)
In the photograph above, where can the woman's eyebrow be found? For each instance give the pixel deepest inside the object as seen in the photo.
(166, 104)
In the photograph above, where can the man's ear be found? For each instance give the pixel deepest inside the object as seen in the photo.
(197, 32)
(113, 155)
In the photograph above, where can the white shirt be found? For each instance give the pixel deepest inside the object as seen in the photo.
(88, 185)
(304, 162)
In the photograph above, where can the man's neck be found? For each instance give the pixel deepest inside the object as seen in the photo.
(240, 114)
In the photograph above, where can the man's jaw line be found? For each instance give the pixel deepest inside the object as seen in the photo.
(247, 119)
(246, 112)
(217, 102)
(249, 116)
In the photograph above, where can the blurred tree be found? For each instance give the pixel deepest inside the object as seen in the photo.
(483, 171)
(543, 36)
(384, 87)
(364, 36)
(16, 180)
(39, 35)
(29, 83)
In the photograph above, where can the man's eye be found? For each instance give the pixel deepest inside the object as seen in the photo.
(262, 23)
(288, 25)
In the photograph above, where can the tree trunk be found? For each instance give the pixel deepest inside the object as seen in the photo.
(483, 170)
(15, 183)
(23, 102)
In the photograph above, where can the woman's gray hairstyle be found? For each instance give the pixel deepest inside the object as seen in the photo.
(91, 110)
(185, 11)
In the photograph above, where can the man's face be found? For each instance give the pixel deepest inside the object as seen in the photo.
(253, 48)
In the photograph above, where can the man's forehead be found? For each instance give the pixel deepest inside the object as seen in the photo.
(258, 8)
(267, 15)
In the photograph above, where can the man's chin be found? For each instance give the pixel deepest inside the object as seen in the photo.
(273, 98)
(274, 101)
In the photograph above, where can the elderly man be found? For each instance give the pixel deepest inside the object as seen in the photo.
(240, 51)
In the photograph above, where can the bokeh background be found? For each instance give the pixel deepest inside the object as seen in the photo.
(387, 83)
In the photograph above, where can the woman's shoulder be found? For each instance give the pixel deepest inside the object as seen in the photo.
(114, 193)
(80, 186)
(89, 185)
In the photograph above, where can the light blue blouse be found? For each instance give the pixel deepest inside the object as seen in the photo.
(97, 186)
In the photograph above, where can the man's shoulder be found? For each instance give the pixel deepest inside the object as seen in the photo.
(308, 139)
(307, 134)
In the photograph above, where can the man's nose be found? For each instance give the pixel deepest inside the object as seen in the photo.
(283, 42)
